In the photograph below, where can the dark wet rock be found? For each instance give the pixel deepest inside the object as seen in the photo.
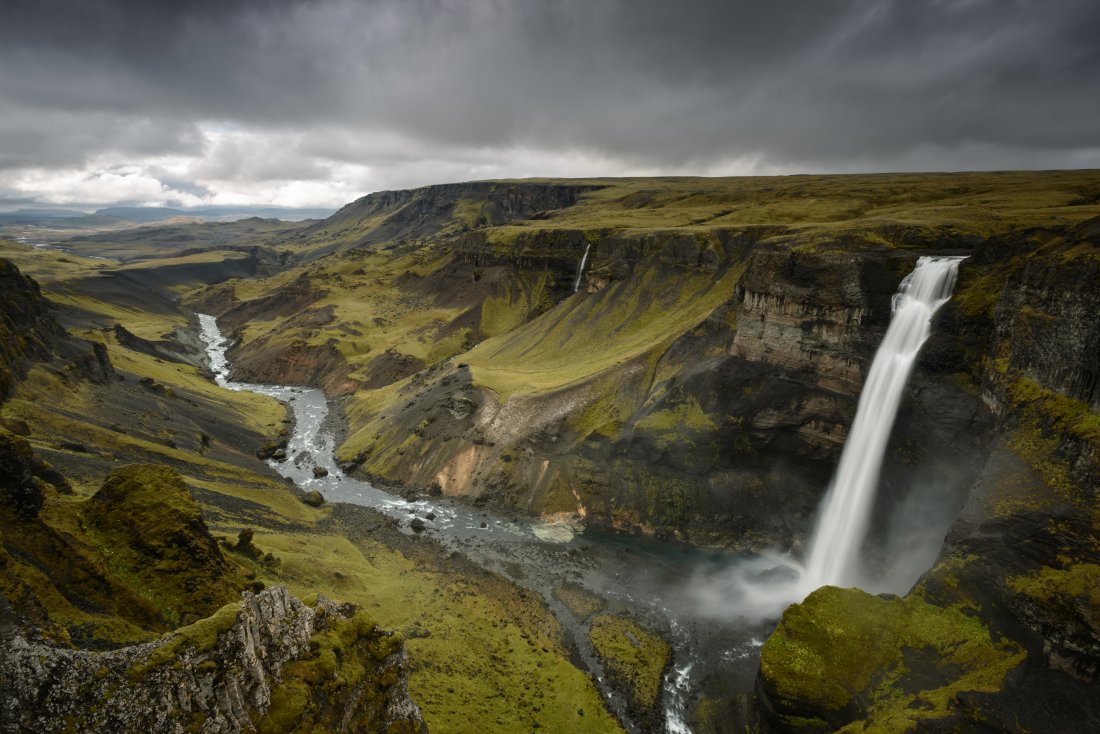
(270, 448)
(320, 471)
(417, 525)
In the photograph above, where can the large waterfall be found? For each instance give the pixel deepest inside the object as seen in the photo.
(761, 587)
(842, 524)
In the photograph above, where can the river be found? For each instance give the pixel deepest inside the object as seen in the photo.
(676, 589)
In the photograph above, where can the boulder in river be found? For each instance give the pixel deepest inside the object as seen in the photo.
(320, 471)
(313, 498)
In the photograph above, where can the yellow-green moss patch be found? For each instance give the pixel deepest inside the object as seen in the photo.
(633, 655)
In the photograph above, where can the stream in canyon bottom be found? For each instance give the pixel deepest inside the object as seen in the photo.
(673, 588)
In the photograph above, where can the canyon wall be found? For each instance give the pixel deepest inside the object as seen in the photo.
(1016, 580)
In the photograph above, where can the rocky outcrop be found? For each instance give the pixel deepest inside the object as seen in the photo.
(164, 349)
(20, 489)
(237, 671)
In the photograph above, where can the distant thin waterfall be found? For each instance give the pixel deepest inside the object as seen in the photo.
(580, 270)
(842, 524)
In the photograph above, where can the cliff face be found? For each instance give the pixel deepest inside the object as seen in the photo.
(702, 386)
(241, 670)
(1021, 561)
(29, 334)
(816, 314)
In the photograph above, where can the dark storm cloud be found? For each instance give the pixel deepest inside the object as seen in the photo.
(651, 84)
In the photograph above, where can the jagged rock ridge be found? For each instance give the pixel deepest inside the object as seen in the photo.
(220, 676)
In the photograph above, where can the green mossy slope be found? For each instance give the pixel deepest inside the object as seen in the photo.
(151, 530)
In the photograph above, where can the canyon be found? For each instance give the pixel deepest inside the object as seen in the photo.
(670, 364)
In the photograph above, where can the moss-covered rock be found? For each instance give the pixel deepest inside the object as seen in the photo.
(29, 333)
(154, 537)
(636, 660)
(313, 498)
(844, 655)
(354, 662)
(1063, 605)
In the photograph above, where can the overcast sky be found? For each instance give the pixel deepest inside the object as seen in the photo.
(316, 102)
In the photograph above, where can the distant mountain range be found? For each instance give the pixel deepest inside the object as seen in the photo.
(156, 214)
(43, 216)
